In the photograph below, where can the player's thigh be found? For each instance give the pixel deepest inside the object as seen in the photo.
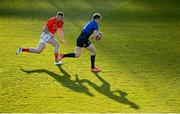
(41, 46)
(53, 42)
(91, 48)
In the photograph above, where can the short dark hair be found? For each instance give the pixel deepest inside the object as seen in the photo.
(96, 16)
(60, 13)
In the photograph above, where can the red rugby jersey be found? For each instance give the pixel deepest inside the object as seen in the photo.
(53, 25)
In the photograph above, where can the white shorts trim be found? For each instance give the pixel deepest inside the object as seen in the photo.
(44, 37)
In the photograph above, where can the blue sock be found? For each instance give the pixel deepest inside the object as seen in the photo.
(92, 61)
(69, 55)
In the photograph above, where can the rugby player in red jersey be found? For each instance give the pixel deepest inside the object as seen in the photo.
(54, 24)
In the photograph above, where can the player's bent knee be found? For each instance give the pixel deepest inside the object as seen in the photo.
(77, 55)
(56, 45)
(39, 51)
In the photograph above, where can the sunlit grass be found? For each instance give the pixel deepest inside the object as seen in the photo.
(139, 55)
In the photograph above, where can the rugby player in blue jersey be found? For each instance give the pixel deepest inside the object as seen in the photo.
(83, 41)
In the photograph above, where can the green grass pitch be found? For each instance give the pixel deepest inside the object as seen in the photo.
(139, 55)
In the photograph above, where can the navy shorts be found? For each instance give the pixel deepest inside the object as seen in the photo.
(83, 40)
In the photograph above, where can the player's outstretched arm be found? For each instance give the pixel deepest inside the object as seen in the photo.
(61, 35)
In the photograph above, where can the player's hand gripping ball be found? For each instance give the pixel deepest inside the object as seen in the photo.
(99, 36)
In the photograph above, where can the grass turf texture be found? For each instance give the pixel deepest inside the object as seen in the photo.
(139, 55)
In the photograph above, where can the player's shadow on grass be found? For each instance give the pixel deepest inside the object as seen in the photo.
(64, 79)
(77, 85)
(105, 89)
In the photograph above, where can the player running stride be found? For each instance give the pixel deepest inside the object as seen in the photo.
(54, 24)
(83, 41)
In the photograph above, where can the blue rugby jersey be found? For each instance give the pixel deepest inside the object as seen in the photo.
(90, 27)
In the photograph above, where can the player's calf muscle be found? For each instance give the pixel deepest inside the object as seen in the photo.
(35, 50)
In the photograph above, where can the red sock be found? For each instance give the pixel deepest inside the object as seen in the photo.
(25, 49)
(56, 56)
